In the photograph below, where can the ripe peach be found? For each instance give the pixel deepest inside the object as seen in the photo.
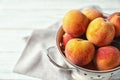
(75, 23)
(115, 20)
(66, 38)
(100, 32)
(92, 13)
(79, 51)
(107, 57)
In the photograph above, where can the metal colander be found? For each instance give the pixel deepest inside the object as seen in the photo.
(78, 73)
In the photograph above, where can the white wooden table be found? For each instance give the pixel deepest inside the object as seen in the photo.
(18, 18)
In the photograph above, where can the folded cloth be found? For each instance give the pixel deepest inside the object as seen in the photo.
(34, 61)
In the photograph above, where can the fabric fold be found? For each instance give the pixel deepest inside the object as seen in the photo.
(34, 61)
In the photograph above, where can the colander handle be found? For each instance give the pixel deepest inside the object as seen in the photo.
(51, 56)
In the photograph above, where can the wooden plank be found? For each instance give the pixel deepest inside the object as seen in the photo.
(29, 14)
(11, 45)
(13, 40)
(53, 4)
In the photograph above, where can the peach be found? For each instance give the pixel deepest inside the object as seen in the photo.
(100, 32)
(114, 18)
(66, 38)
(79, 51)
(107, 58)
(92, 13)
(75, 23)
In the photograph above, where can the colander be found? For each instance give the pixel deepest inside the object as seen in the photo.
(78, 73)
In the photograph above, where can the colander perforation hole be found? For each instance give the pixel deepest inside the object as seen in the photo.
(85, 74)
(99, 75)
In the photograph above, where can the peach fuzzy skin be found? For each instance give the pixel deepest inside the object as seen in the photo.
(92, 13)
(100, 32)
(66, 38)
(75, 23)
(114, 18)
(107, 58)
(79, 52)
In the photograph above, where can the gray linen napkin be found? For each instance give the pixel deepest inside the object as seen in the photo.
(34, 61)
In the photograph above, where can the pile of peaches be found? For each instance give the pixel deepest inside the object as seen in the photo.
(88, 38)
